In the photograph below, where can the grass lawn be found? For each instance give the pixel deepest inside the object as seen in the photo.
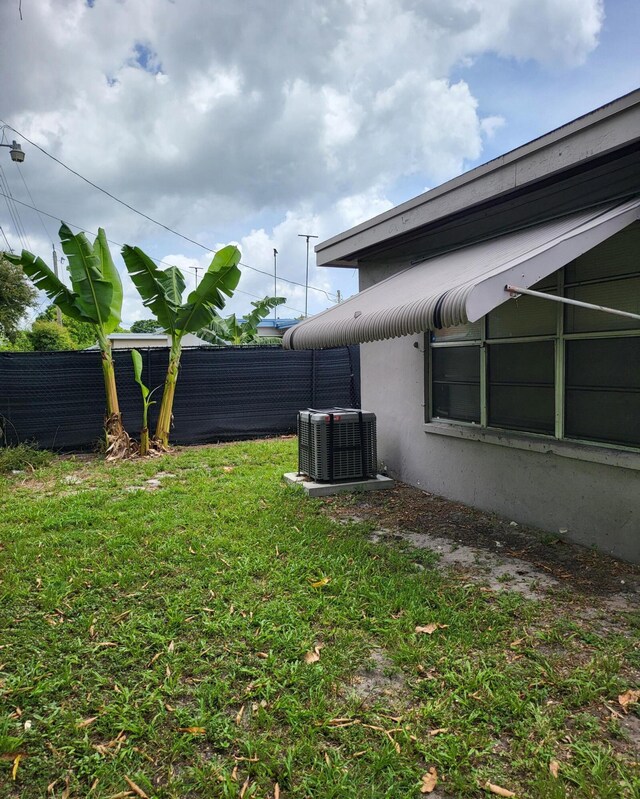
(218, 634)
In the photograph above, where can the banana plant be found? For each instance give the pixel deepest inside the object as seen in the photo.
(161, 292)
(230, 330)
(146, 401)
(95, 296)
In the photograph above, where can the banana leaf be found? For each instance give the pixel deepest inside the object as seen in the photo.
(45, 280)
(95, 294)
(173, 281)
(230, 331)
(137, 373)
(261, 309)
(221, 277)
(217, 332)
(109, 272)
(160, 291)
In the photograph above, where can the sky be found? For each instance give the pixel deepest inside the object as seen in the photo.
(255, 122)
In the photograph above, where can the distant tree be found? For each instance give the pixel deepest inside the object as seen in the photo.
(17, 295)
(21, 342)
(82, 334)
(146, 326)
(46, 335)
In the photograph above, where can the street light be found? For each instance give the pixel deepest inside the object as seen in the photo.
(306, 236)
(15, 150)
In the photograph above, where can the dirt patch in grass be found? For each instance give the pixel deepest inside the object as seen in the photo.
(379, 682)
(509, 554)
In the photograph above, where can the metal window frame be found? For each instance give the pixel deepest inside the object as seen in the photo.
(559, 339)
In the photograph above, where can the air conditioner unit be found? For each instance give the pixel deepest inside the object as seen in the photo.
(337, 444)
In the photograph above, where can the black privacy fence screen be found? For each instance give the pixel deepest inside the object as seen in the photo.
(56, 399)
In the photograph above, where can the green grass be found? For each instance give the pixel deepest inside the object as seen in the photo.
(191, 606)
(23, 457)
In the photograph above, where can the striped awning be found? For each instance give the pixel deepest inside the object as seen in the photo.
(461, 285)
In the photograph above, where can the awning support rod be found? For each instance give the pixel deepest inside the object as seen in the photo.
(514, 291)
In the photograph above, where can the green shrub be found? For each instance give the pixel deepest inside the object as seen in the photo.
(50, 336)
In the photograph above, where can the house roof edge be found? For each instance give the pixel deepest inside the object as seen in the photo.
(528, 163)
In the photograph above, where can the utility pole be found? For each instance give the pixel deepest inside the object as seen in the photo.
(275, 277)
(55, 269)
(195, 269)
(306, 236)
(339, 296)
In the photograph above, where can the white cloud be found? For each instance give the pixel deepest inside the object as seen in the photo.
(491, 125)
(261, 121)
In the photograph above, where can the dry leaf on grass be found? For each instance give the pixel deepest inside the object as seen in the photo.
(554, 767)
(16, 763)
(314, 655)
(276, 791)
(320, 583)
(228, 469)
(342, 722)
(245, 785)
(311, 657)
(136, 788)
(239, 715)
(429, 629)
(193, 730)
(429, 780)
(628, 698)
(497, 790)
(438, 731)
(86, 722)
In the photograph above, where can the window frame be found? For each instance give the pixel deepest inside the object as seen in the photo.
(484, 431)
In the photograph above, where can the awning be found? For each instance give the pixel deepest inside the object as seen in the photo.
(462, 285)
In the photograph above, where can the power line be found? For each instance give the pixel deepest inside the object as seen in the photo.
(119, 244)
(146, 216)
(13, 210)
(33, 202)
(4, 236)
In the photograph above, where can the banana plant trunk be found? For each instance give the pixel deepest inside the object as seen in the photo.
(117, 439)
(144, 441)
(163, 425)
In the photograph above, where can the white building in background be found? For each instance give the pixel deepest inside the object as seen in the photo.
(129, 341)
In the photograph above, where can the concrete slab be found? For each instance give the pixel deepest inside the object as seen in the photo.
(313, 489)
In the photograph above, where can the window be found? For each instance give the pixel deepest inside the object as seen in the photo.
(550, 369)
(456, 383)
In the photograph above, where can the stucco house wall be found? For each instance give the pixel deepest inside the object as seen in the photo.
(529, 412)
(594, 504)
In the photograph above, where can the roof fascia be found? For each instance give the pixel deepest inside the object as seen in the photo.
(604, 130)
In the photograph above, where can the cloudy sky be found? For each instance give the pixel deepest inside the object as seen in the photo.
(253, 121)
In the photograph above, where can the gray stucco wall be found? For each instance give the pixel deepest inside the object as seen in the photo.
(597, 504)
